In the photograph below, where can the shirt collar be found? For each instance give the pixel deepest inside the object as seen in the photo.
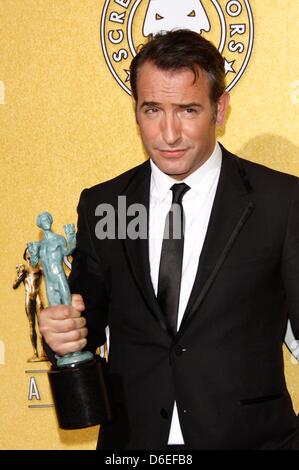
(161, 183)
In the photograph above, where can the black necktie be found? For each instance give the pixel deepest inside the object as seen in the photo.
(170, 271)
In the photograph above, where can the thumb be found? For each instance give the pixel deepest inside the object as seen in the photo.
(77, 302)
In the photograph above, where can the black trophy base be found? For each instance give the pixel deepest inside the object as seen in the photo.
(80, 394)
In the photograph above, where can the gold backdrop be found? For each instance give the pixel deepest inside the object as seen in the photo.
(66, 124)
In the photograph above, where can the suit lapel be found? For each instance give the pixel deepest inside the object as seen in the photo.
(232, 207)
(137, 251)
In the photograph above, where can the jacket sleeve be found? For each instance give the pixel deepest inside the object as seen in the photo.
(290, 262)
(86, 278)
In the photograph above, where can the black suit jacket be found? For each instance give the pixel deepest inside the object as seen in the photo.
(225, 366)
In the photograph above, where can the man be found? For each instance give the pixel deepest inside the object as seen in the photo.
(197, 323)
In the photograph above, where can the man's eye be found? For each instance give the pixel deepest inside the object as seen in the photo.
(190, 110)
(151, 110)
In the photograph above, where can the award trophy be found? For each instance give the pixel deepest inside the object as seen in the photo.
(78, 381)
(31, 279)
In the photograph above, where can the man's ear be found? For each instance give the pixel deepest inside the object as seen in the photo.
(222, 107)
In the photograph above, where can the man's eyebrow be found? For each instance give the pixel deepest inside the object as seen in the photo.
(189, 105)
(154, 104)
(149, 104)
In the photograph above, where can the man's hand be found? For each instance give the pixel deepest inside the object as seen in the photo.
(63, 328)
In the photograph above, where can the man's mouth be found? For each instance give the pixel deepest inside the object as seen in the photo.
(172, 152)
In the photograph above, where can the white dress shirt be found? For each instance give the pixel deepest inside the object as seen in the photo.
(197, 203)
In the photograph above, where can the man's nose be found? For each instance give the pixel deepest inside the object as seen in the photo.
(171, 129)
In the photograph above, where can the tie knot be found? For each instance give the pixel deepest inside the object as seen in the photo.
(178, 191)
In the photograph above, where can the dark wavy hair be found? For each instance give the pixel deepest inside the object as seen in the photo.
(179, 49)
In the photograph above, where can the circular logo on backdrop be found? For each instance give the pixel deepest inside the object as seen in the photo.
(127, 24)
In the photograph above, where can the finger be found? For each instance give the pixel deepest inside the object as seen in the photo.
(77, 302)
(59, 312)
(69, 324)
(59, 339)
(72, 336)
(73, 346)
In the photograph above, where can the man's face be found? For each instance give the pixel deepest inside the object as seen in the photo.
(176, 118)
